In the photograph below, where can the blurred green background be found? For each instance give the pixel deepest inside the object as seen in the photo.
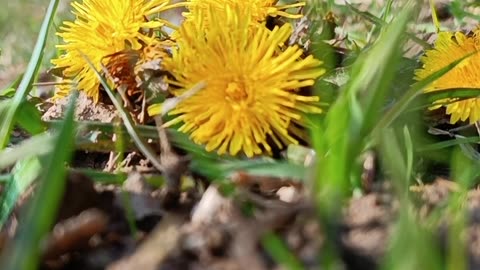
(19, 25)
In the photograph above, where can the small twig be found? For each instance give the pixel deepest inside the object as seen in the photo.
(477, 127)
(174, 165)
(165, 146)
(460, 128)
(127, 160)
(112, 159)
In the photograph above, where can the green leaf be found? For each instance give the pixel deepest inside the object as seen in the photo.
(23, 174)
(29, 118)
(10, 90)
(220, 170)
(7, 93)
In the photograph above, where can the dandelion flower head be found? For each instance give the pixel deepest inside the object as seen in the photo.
(258, 9)
(103, 28)
(252, 84)
(448, 48)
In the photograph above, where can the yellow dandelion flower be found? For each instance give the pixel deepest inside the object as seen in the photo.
(103, 28)
(251, 85)
(63, 88)
(258, 9)
(449, 47)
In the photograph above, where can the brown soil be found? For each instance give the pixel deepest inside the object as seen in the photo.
(207, 230)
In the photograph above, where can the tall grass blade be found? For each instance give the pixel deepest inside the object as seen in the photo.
(412, 246)
(23, 174)
(436, 22)
(24, 254)
(351, 118)
(280, 252)
(447, 143)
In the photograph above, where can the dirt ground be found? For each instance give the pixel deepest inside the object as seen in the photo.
(207, 230)
(138, 226)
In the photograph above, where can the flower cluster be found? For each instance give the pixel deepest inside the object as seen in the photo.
(101, 29)
(252, 79)
(448, 48)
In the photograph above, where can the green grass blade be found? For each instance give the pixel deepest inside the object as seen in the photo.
(426, 100)
(351, 118)
(412, 245)
(29, 76)
(4, 104)
(14, 85)
(272, 168)
(394, 159)
(387, 10)
(448, 143)
(214, 169)
(35, 146)
(24, 254)
(409, 148)
(456, 93)
(280, 252)
(436, 22)
(23, 174)
(29, 118)
(101, 176)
